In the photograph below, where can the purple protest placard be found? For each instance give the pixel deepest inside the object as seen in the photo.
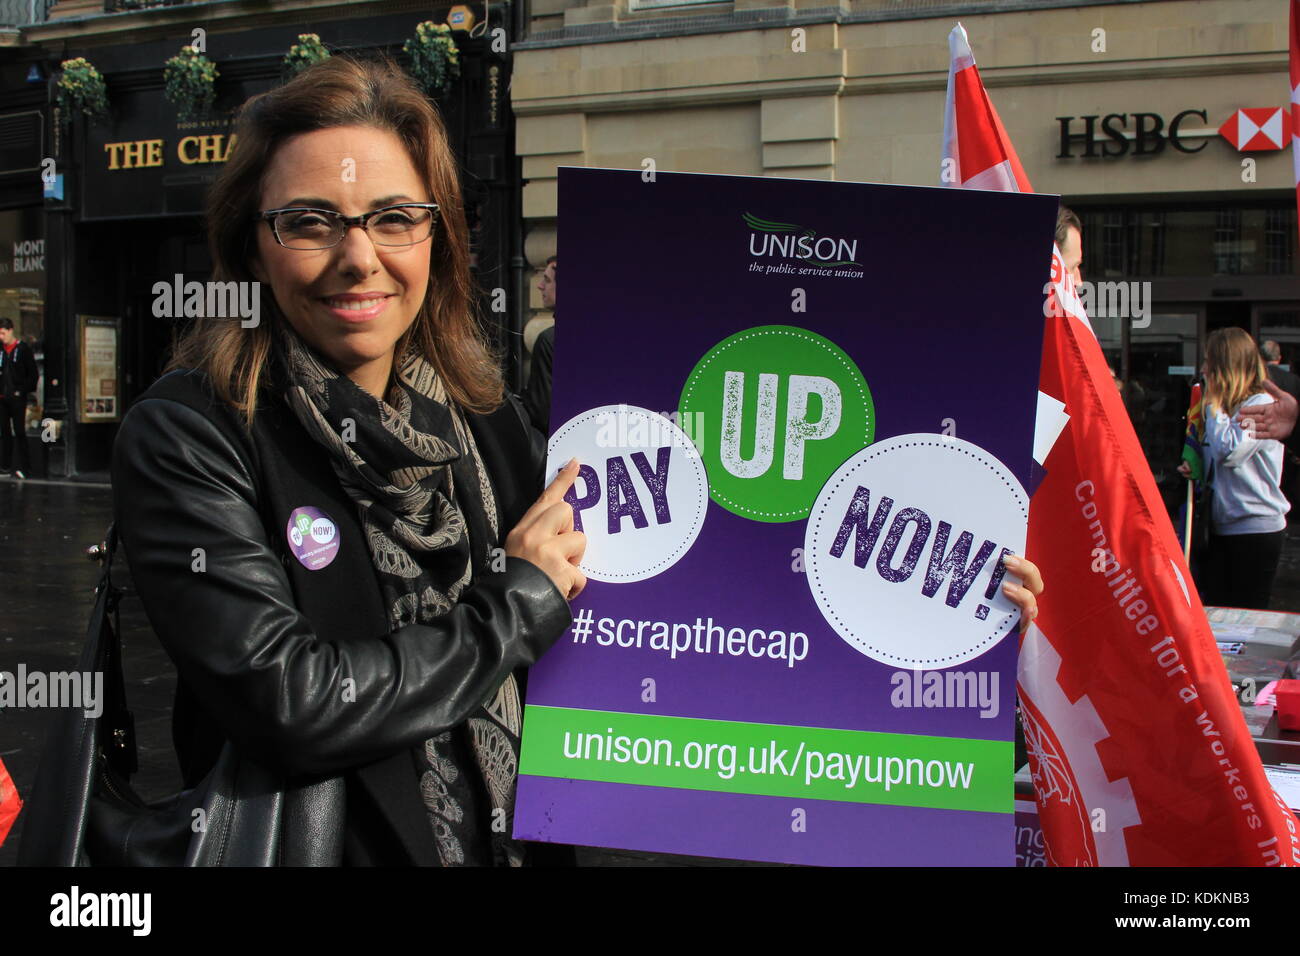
(805, 415)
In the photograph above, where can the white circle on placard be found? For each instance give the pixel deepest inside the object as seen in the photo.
(930, 479)
(621, 443)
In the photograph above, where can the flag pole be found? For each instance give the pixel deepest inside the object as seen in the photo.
(1187, 531)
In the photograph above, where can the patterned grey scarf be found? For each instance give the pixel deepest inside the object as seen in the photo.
(427, 509)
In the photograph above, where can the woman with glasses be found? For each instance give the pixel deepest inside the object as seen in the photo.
(335, 519)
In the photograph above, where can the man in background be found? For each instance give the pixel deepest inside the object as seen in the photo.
(18, 375)
(537, 396)
(1288, 381)
(1069, 238)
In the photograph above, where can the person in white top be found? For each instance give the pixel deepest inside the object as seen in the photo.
(1248, 510)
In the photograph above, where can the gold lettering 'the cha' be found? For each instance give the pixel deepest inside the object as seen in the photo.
(212, 148)
(134, 154)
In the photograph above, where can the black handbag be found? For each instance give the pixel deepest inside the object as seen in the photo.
(83, 811)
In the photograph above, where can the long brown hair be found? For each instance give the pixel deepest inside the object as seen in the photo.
(342, 91)
(1233, 369)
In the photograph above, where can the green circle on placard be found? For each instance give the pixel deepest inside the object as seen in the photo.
(720, 411)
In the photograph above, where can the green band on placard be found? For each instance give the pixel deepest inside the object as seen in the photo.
(777, 760)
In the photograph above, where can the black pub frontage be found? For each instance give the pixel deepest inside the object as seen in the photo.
(124, 212)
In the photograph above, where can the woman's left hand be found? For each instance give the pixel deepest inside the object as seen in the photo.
(1024, 595)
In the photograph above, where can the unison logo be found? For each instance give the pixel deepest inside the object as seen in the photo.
(790, 241)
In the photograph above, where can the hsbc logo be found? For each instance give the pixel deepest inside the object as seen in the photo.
(1251, 129)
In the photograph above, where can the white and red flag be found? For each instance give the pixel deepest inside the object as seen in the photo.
(1295, 96)
(1137, 746)
(976, 149)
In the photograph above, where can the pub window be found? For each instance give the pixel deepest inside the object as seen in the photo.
(635, 5)
(1151, 253)
(1227, 242)
(1196, 240)
(1114, 244)
(1279, 241)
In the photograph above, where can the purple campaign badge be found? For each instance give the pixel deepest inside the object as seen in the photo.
(313, 537)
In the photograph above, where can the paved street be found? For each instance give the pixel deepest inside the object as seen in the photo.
(48, 585)
(48, 582)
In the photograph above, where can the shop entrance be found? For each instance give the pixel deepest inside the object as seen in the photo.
(117, 264)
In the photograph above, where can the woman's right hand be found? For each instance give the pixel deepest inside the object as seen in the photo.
(1185, 469)
(545, 536)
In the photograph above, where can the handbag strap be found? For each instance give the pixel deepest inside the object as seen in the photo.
(115, 732)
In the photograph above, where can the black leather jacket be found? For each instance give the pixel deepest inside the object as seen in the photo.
(18, 371)
(253, 666)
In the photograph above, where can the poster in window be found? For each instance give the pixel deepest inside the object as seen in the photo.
(98, 337)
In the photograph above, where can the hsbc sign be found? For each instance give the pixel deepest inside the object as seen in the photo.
(1147, 134)
(1252, 130)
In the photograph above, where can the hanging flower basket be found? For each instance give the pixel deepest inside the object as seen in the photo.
(434, 59)
(304, 53)
(81, 87)
(190, 84)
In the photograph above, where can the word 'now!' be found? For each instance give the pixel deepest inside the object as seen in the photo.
(859, 519)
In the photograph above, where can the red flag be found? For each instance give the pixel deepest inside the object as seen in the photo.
(10, 804)
(1137, 747)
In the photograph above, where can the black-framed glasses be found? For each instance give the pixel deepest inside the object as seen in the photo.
(305, 227)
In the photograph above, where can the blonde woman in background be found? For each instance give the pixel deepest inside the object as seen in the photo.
(1248, 512)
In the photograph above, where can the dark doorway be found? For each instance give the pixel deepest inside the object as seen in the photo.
(1226, 315)
(165, 249)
